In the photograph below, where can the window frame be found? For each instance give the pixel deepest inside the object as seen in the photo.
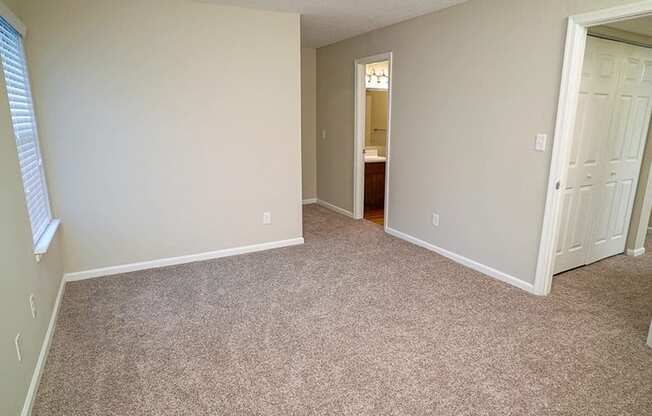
(42, 240)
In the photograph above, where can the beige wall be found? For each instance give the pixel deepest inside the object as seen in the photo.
(473, 85)
(377, 134)
(309, 122)
(641, 218)
(20, 275)
(170, 125)
(620, 34)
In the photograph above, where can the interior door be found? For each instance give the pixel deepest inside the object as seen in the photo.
(611, 126)
(597, 94)
(623, 154)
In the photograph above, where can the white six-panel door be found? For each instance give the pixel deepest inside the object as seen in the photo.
(612, 120)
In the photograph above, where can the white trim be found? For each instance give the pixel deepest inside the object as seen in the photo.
(568, 95)
(388, 145)
(299, 144)
(472, 264)
(635, 252)
(614, 14)
(566, 113)
(13, 20)
(43, 355)
(359, 89)
(309, 201)
(335, 208)
(359, 108)
(172, 261)
(46, 239)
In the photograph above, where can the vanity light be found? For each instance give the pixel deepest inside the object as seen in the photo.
(378, 80)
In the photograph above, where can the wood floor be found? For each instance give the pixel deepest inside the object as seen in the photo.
(376, 215)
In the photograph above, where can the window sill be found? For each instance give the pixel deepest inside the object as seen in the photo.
(44, 242)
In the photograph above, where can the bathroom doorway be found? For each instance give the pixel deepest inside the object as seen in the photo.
(373, 107)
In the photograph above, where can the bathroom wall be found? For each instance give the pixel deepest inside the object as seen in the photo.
(376, 136)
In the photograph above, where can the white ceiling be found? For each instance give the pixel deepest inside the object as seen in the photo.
(327, 21)
(642, 25)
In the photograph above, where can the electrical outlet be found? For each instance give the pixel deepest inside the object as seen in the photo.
(17, 343)
(435, 219)
(323, 134)
(540, 143)
(32, 305)
(267, 217)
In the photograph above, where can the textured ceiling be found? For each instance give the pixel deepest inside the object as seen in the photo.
(327, 21)
(641, 26)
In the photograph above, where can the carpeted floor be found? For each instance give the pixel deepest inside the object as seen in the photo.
(353, 322)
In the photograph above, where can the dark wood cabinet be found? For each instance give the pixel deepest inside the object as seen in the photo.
(374, 185)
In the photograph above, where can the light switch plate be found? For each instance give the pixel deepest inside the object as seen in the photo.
(435, 219)
(267, 218)
(540, 143)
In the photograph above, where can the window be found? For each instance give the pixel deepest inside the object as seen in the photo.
(24, 124)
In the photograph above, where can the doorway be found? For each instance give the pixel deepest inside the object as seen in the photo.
(613, 117)
(602, 126)
(372, 137)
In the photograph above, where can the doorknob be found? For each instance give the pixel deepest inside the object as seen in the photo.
(613, 173)
(589, 176)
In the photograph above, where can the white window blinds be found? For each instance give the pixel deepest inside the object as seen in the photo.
(22, 117)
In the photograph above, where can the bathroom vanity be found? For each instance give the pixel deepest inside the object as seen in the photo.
(374, 183)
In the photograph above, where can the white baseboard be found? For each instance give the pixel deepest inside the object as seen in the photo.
(309, 201)
(489, 271)
(635, 252)
(335, 208)
(171, 261)
(43, 355)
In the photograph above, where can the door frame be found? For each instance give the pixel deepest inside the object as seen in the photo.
(359, 101)
(566, 112)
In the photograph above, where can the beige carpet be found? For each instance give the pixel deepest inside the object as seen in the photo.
(353, 322)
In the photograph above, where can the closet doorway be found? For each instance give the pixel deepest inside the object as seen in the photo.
(613, 118)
